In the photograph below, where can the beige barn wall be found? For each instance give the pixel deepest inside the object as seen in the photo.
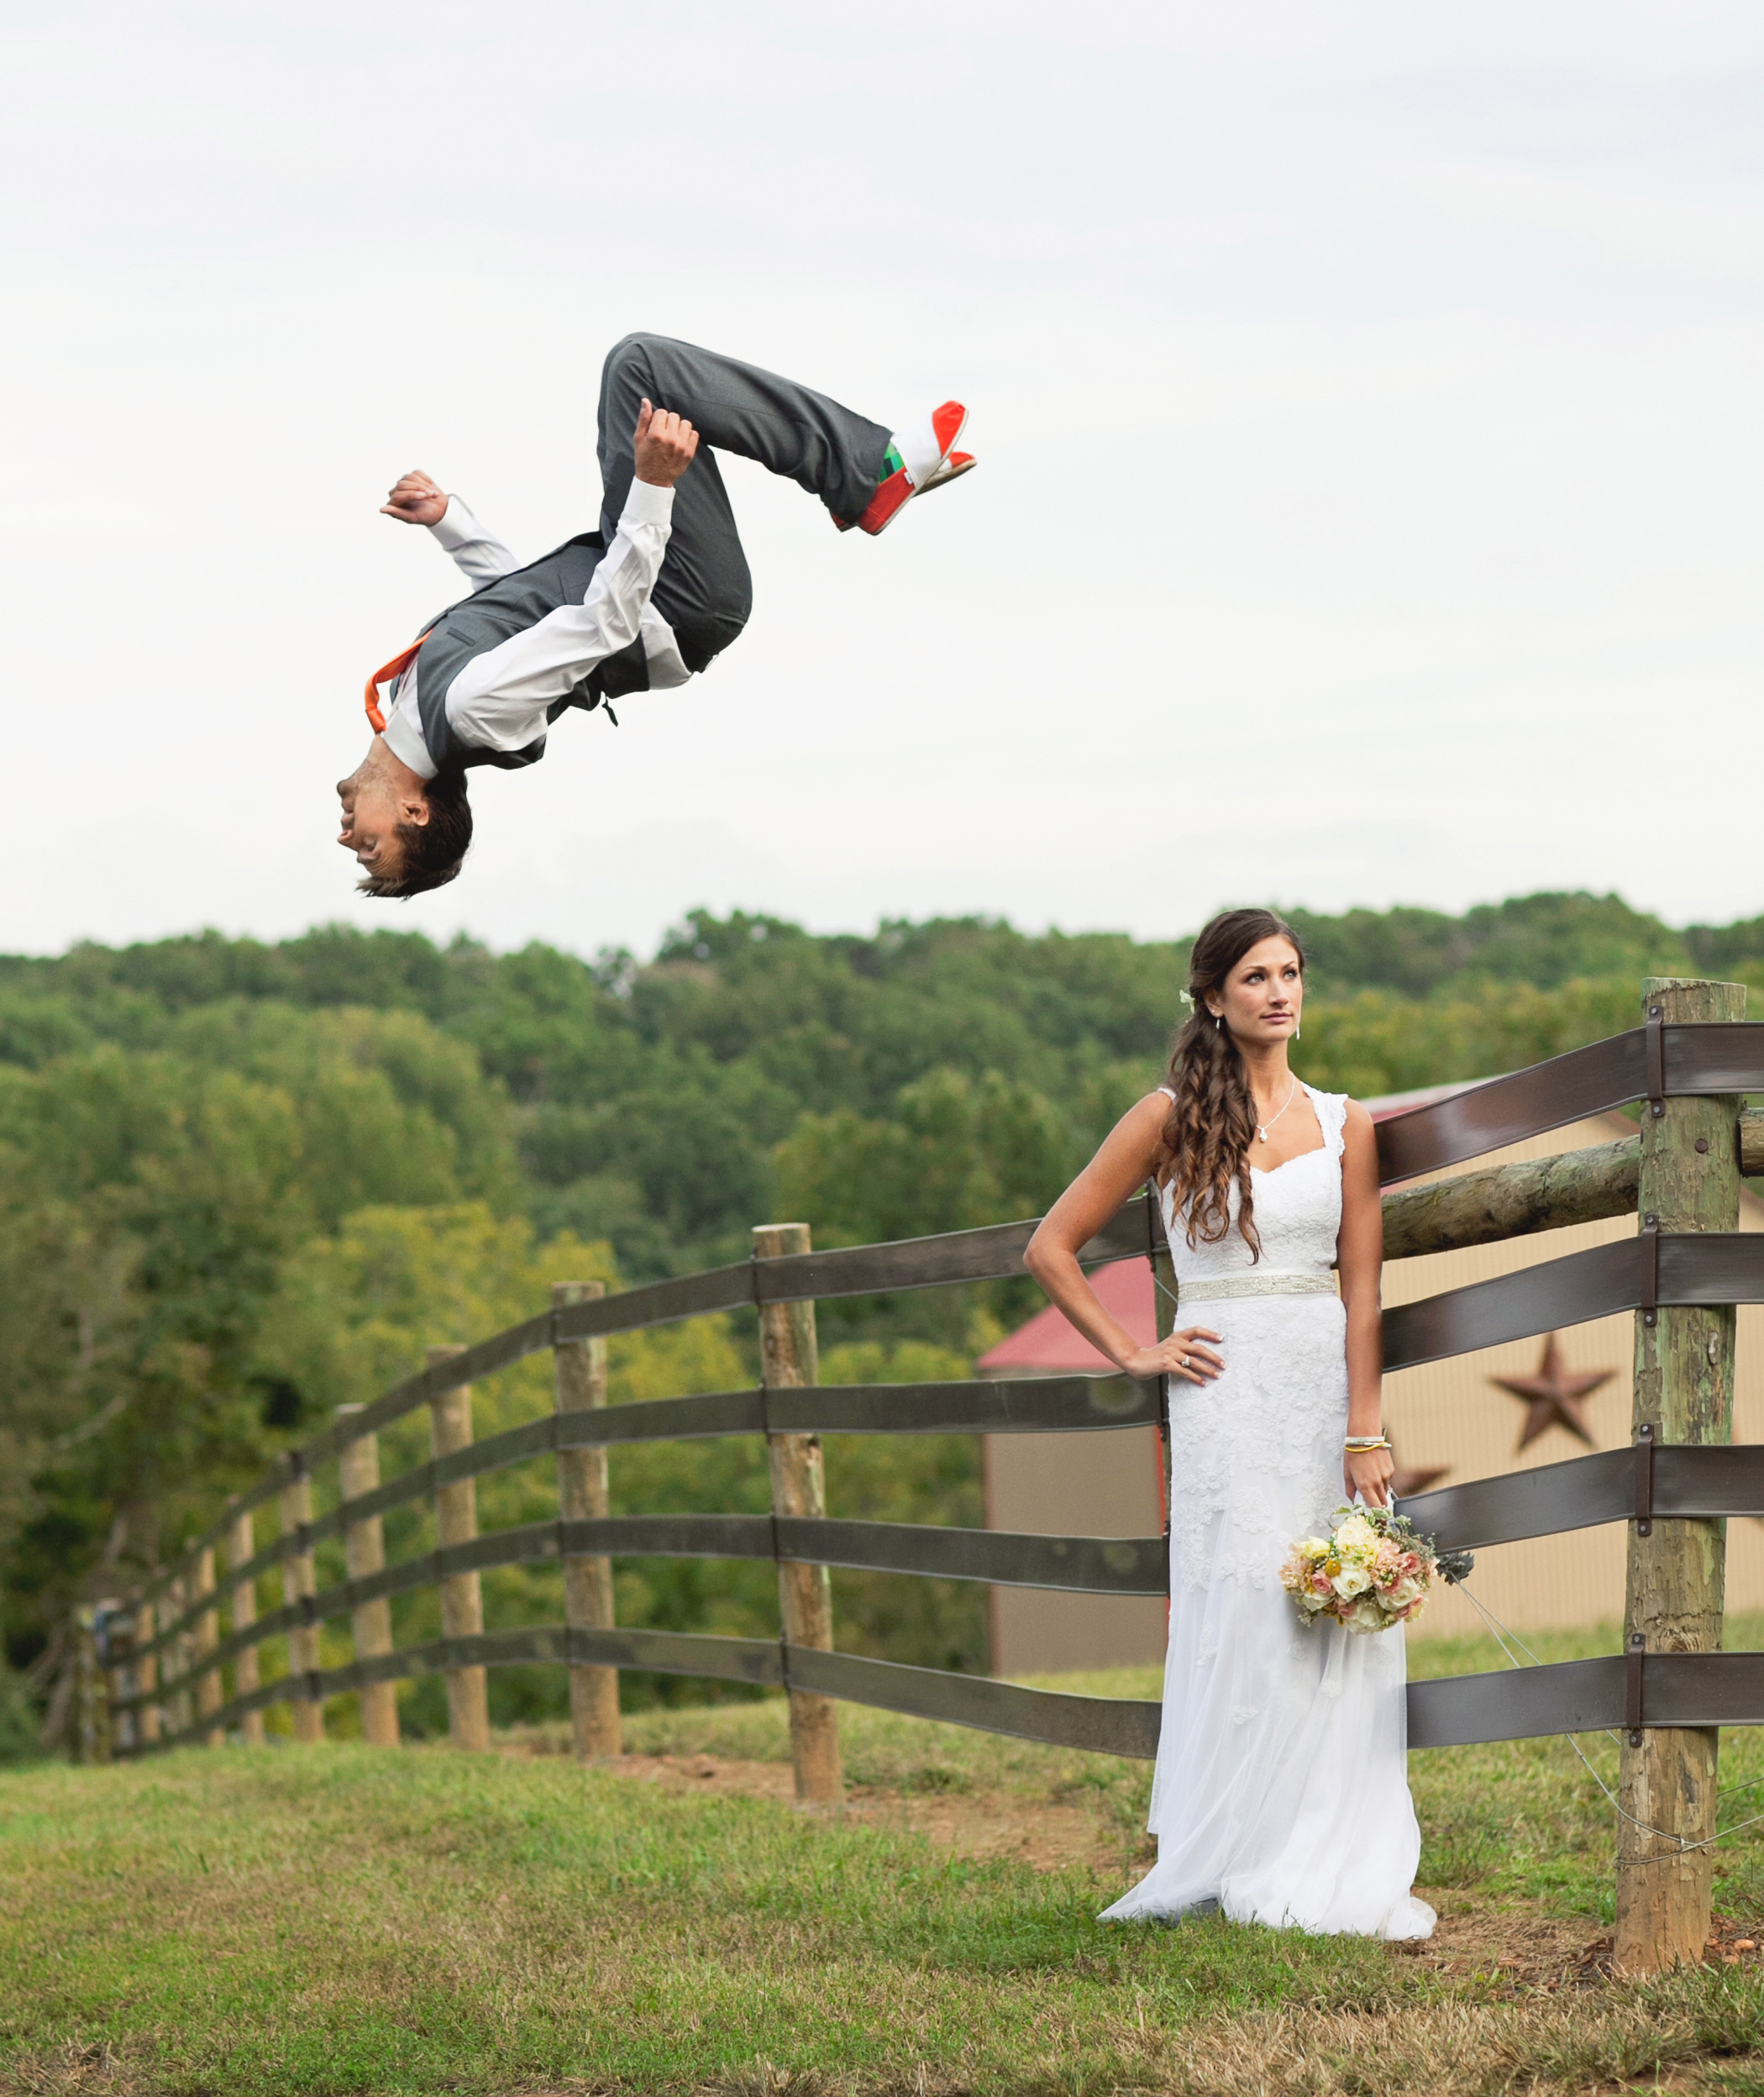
(1450, 1413)
(1098, 1484)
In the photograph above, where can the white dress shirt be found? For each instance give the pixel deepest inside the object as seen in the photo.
(499, 699)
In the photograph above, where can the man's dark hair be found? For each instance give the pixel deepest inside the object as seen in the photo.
(431, 853)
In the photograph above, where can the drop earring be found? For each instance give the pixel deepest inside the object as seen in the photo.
(1299, 1032)
(1218, 1021)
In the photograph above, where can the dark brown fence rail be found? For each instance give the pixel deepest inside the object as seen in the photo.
(1651, 1484)
(1653, 1062)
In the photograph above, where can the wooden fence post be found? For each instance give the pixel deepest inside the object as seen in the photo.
(300, 1583)
(788, 1358)
(173, 1604)
(146, 1675)
(462, 1594)
(371, 1624)
(92, 1701)
(583, 1496)
(204, 1639)
(119, 1642)
(1163, 1318)
(1683, 1392)
(241, 1548)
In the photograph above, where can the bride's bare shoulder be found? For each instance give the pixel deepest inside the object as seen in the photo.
(1358, 1133)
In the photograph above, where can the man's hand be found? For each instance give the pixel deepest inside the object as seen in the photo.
(416, 500)
(666, 445)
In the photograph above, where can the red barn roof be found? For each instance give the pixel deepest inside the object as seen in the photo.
(1049, 1345)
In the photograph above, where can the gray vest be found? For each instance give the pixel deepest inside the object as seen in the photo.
(509, 605)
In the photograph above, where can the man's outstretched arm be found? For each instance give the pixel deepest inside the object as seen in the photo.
(480, 556)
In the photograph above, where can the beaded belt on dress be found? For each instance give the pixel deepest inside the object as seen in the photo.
(1257, 1286)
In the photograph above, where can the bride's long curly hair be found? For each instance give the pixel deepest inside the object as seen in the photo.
(1206, 1136)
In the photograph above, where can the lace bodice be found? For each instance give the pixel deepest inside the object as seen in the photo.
(1261, 1446)
(1298, 1211)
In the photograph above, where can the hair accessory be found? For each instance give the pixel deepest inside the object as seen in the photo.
(1188, 998)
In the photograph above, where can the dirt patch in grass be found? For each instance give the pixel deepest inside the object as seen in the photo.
(1514, 1945)
(987, 1824)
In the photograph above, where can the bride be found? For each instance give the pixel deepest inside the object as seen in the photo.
(1281, 1793)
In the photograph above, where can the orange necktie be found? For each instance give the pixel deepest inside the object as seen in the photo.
(383, 675)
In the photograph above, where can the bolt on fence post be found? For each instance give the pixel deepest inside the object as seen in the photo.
(1683, 1392)
(204, 1639)
(583, 1496)
(241, 1548)
(789, 1359)
(146, 1676)
(462, 1594)
(300, 1583)
(370, 1623)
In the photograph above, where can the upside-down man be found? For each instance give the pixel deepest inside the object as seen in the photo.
(644, 603)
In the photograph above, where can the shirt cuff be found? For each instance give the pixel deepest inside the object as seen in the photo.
(456, 526)
(404, 739)
(647, 504)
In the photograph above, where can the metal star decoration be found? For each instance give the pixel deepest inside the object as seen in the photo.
(1553, 1397)
(1406, 1482)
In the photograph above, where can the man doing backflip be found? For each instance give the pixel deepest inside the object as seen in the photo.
(644, 603)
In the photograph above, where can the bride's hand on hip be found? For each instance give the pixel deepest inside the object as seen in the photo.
(1182, 1355)
(1369, 1472)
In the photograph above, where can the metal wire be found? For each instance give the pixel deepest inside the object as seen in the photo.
(1501, 1634)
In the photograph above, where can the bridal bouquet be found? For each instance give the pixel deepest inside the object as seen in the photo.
(1373, 1572)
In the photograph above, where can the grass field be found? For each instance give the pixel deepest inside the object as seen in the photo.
(336, 1919)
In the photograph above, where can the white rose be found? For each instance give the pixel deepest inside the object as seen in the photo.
(1352, 1580)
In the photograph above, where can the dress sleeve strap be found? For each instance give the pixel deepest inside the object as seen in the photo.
(1331, 1118)
(1167, 1092)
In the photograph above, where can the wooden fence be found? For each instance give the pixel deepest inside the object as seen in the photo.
(165, 1663)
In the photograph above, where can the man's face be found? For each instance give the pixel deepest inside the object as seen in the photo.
(371, 813)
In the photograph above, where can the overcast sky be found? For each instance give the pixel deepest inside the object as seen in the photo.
(1366, 397)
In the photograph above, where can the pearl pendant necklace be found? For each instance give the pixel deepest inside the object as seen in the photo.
(1261, 1129)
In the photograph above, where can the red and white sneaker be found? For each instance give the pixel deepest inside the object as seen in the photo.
(924, 455)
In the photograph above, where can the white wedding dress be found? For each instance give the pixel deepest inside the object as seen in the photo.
(1281, 1793)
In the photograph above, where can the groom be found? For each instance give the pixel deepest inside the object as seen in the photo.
(642, 603)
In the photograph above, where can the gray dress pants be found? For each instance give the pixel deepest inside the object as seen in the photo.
(704, 591)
